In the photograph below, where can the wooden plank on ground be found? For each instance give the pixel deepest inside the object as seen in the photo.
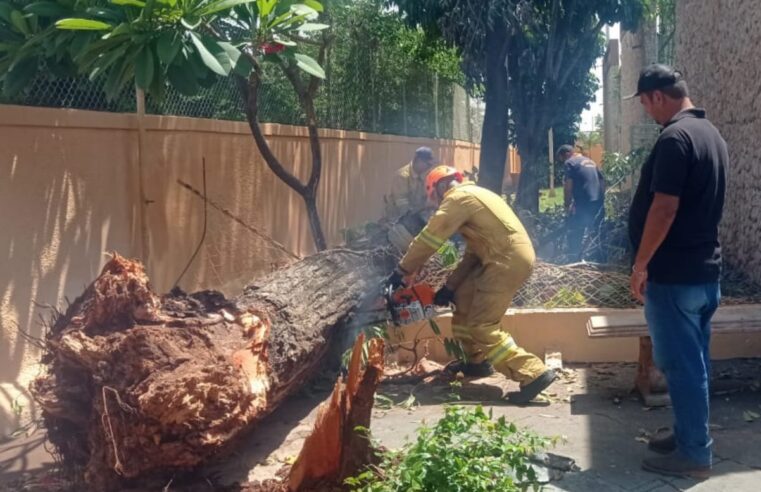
(631, 322)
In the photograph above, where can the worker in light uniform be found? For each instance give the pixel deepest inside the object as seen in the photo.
(407, 192)
(497, 261)
(406, 204)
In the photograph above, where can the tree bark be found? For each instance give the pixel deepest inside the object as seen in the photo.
(494, 138)
(530, 147)
(139, 386)
(250, 93)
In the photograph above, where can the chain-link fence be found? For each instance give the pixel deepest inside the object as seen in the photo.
(419, 106)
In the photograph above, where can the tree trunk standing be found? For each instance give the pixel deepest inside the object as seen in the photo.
(531, 150)
(315, 224)
(494, 139)
(250, 93)
(140, 386)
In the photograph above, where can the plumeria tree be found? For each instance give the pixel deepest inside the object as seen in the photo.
(186, 44)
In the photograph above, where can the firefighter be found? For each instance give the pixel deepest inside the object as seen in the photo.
(408, 186)
(406, 204)
(498, 258)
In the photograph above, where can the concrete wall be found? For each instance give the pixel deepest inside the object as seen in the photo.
(70, 188)
(717, 49)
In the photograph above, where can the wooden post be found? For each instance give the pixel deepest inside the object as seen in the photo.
(436, 104)
(650, 382)
(551, 152)
(140, 106)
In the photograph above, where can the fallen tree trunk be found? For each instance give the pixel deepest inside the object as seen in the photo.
(139, 385)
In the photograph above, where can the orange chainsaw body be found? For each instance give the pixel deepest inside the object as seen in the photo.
(411, 304)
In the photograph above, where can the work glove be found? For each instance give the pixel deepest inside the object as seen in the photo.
(396, 280)
(444, 297)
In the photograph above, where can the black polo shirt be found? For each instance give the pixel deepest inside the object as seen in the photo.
(689, 161)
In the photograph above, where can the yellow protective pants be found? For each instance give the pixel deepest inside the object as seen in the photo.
(480, 304)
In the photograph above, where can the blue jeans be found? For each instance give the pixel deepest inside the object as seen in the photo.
(585, 222)
(679, 320)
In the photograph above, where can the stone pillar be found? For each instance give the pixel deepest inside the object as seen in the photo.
(638, 49)
(611, 97)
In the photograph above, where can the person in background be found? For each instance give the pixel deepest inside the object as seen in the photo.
(498, 259)
(584, 197)
(674, 228)
(406, 205)
(407, 192)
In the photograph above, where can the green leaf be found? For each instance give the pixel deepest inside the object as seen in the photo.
(46, 9)
(265, 7)
(5, 12)
(104, 62)
(309, 65)
(182, 77)
(311, 26)
(19, 76)
(215, 7)
(82, 25)
(305, 10)
(19, 22)
(107, 14)
(243, 67)
(283, 41)
(133, 3)
(233, 53)
(317, 6)
(434, 327)
(210, 59)
(168, 46)
(144, 66)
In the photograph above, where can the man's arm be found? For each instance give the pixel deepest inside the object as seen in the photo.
(660, 217)
(567, 193)
(452, 213)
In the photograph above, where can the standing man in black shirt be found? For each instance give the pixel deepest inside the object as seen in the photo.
(674, 227)
(584, 196)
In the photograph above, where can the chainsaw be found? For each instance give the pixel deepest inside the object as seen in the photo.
(411, 304)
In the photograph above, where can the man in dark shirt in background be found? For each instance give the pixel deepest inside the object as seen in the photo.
(584, 195)
(674, 228)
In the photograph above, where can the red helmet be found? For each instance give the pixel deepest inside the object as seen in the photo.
(437, 174)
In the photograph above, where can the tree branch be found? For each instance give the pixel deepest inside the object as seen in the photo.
(580, 53)
(250, 93)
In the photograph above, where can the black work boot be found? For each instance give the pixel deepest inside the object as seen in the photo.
(664, 443)
(532, 389)
(676, 465)
(470, 369)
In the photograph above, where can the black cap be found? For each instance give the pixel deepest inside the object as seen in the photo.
(654, 77)
(564, 149)
(424, 153)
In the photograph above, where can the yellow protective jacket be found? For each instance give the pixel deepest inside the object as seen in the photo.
(491, 230)
(407, 192)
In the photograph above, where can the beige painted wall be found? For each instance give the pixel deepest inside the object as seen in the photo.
(357, 171)
(69, 191)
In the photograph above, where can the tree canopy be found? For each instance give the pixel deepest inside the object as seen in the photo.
(533, 60)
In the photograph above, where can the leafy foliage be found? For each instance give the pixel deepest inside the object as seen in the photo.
(548, 47)
(185, 43)
(467, 450)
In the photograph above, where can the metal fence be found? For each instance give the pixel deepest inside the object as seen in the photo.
(419, 106)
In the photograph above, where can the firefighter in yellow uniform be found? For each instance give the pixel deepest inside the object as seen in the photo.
(408, 186)
(406, 205)
(497, 261)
